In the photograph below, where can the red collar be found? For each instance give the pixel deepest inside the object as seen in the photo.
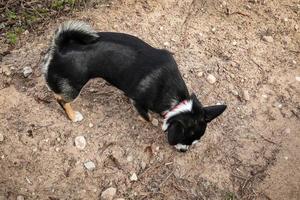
(165, 113)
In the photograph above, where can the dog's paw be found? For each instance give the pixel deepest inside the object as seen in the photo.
(78, 117)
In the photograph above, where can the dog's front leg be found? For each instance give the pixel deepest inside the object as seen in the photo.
(144, 115)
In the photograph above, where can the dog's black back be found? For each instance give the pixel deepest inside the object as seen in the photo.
(145, 74)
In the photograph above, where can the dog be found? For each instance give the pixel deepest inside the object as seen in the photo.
(148, 76)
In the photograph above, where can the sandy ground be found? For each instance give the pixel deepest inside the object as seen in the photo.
(251, 152)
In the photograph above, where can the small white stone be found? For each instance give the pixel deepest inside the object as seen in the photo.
(166, 44)
(155, 122)
(129, 158)
(235, 92)
(213, 29)
(285, 157)
(297, 78)
(89, 165)
(264, 96)
(80, 142)
(234, 43)
(143, 165)
(108, 194)
(200, 74)
(20, 197)
(91, 125)
(26, 32)
(78, 117)
(1, 137)
(133, 177)
(296, 27)
(246, 95)
(27, 71)
(285, 19)
(211, 79)
(268, 38)
(294, 62)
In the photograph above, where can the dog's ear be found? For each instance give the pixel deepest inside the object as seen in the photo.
(211, 112)
(196, 104)
(175, 131)
(195, 100)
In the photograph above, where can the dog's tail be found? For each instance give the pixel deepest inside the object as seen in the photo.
(77, 31)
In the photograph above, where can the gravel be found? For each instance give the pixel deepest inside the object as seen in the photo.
(80, 142)
(89, 165)
(211, 79)
(109, 193)
(27, 71)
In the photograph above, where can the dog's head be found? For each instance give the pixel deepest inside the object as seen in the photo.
(187, 124)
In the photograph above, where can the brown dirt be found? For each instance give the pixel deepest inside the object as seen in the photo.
(251, 152)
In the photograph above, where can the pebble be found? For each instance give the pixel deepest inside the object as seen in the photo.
(213, 29)
(235, 92)
(297, 78)
(133, 177)
(277, 105)
(143, 165)
(129, 158)
(285, 157)
(109, 193)
(234, 43)
(6, 70)
(20, 197)
(211, 79)
(246, 95)
(200, 74)
(80, 142)
(166, 44)
(89, 165)
(91, 125)
(27, 71)
(155, 122)
(296, 27)
(294, 62)
(268, 38)
(1, 137)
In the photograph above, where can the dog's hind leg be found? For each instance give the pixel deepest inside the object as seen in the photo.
(74, 116)
(65, 94)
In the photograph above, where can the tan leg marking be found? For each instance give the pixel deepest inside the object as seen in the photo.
(74, 116)
(69, 110)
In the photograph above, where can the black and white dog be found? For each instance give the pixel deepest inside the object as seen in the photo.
(148, 76)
